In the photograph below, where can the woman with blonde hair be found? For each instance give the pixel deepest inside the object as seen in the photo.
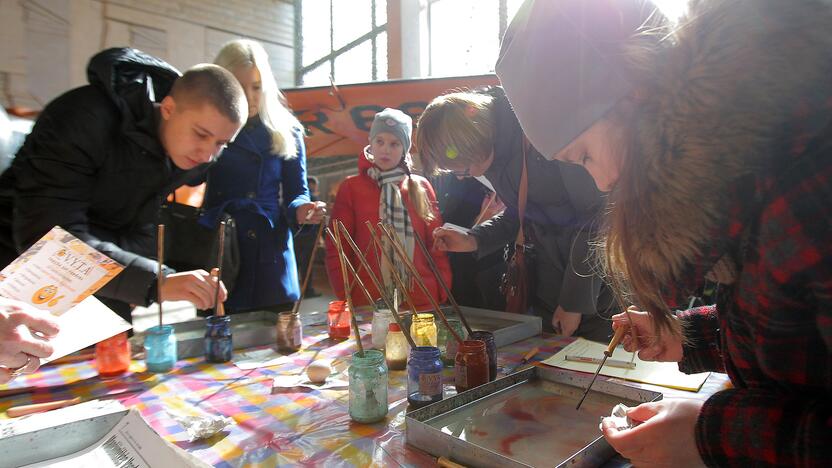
(266, 161)
(385, 190)
(476, 134)
(714, 140)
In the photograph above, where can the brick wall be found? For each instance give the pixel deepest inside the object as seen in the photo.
(45, 44)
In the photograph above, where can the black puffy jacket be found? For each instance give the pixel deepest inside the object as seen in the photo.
(94, 165)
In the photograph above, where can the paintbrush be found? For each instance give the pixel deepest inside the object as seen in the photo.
(23, 410)
(415, 273)
(393, 307)
(219, 311)
(616, 338)
(435, 270)
(321, 226)
(610, 362)
(394, 274)
(342, 257)
(526, 357)
(160, 276)
(356, 279)
(396, 279)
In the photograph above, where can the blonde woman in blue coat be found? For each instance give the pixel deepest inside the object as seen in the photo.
(260, 180)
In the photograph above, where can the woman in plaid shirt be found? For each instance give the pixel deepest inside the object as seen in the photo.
(714, 139)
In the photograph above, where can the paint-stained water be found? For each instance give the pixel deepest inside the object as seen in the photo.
(535, 423)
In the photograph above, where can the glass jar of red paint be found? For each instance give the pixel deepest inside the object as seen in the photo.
(338, 318)
(470, 365)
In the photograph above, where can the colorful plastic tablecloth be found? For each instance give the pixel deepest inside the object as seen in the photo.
(295, 427)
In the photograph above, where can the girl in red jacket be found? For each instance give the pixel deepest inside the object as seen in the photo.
(385, 190)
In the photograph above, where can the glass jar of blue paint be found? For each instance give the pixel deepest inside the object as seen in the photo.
(218, 343)
(160, 348)
(368, 387)
(424, 376)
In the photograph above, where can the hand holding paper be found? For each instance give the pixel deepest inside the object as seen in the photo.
(24, 331)
(47, 289)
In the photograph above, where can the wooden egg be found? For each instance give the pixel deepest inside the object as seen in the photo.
(318, 371)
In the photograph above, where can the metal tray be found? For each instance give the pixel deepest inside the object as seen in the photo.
(507, 327)
(57, 441)
(248, 330)
(525, 419)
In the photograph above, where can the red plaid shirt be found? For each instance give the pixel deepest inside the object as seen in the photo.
(771, 330)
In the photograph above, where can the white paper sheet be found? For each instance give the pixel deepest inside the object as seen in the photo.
(268, 357)
(85, 325)
(454, 227)
(665, 374)
(131, 443)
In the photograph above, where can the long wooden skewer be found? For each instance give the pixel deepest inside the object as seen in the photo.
(219, 311)
(342, 257)
(321, 226)
(404, 258)
(160, 278)
(438, 276)
(364, 287)
(390, 305)
(394, 274)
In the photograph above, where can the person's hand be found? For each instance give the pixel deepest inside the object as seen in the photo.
(665, 436)
(197, 287)
(565, 323)
(24, 335)
(450, 240)
(641, 337)
(311, 213)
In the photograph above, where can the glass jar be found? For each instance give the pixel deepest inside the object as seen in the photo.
(338, 318)
(446, 342)
(112, 356)
(471, 367)
(160, 348)
(396, 348)
(368, 387)
(490, 349)
(289, 332)
(423, 330)
(424, 376)
(218, 342)
(382, 318)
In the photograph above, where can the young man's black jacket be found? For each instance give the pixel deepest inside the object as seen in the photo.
(94, 165)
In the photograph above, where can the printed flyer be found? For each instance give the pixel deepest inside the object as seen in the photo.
(57, 273)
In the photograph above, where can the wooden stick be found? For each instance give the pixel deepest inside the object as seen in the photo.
(438, 276)
(321, 226)
(393, 307)
(350, 267)
(219, 311)
(160, 278)
(23, 410)
(404, 258)
(342, 257)
(394, 274)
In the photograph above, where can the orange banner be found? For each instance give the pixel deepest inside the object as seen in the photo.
(338, 118)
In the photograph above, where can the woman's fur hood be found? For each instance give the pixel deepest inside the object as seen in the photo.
(720, 102)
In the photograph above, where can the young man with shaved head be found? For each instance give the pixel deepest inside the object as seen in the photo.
(102, 157)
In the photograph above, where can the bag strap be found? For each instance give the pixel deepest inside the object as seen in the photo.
(521, 202)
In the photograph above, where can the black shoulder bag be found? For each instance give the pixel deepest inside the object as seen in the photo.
(191, 246)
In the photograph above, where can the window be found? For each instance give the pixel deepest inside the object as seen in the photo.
(343, 39)
(462, 37)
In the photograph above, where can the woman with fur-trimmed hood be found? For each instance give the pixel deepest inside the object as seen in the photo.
(713, 137)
